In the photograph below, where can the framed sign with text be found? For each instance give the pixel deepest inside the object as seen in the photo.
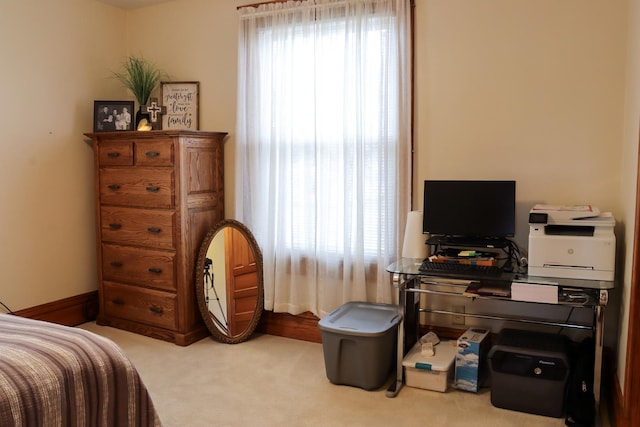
(182, 104)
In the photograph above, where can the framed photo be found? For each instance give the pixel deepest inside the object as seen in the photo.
(111, 116)
(181, 100)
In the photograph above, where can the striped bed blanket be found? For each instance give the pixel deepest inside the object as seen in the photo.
(53, 375)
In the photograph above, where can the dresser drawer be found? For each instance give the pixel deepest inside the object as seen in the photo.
(139, 266)
(148, 306)
(154, 153)
(140, 227)
(145, 187)
(116, 154)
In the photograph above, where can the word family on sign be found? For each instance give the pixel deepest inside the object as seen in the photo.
(183, 120)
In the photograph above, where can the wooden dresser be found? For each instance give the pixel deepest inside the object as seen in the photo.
(157, 195)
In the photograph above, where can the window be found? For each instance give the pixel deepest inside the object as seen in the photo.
(322, 137)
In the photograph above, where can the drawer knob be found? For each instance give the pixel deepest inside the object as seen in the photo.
(153, 189)
(114, 187)
(156, 310)
(116, 264)
(117, 301)
(154, 230)
(152, 154)
(113, 154)
(115, 226)
(155, 270)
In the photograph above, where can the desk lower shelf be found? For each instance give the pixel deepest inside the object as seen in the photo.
(510, 319)
(587, 299)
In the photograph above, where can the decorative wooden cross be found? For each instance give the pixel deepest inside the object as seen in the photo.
(155, 111)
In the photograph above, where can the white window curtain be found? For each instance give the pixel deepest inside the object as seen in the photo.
(323, 147)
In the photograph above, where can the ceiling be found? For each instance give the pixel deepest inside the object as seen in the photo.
(132, 4)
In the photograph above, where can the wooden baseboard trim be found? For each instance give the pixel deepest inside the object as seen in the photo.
(619, 412)
(300, 327)
(305, 327)
(70, 311)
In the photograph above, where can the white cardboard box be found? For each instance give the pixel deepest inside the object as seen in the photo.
(430, 373)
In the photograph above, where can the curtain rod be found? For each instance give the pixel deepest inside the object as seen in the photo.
(261, 3)
(412, 2)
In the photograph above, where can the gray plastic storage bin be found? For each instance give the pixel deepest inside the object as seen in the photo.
(359, 342)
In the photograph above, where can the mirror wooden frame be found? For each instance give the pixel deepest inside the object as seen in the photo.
(207, 317)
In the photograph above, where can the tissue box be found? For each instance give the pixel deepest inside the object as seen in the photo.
(472, 348)
(430, 373)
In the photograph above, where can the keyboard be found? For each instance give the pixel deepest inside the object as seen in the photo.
(459, 269)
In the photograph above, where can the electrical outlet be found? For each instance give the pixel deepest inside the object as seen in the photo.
(456, 319)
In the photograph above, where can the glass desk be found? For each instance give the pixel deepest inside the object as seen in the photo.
(410, 281)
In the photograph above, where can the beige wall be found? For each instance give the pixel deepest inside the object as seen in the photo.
(525, 90)
(629, 165)
(532, 90)
(196, 40)
(55, 61)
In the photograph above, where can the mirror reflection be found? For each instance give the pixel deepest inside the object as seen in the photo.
(229, 289)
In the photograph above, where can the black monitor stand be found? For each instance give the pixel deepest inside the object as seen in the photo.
(467, 241)
(511, 263)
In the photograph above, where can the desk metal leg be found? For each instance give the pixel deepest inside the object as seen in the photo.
(599, 344)
(395, 386)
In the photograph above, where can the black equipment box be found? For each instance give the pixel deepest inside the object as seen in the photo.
(529, 372)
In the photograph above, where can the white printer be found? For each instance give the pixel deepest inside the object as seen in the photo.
(575, 242)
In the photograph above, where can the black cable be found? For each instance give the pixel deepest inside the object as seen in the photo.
(514, 252)
(566, 320)
(9, 311)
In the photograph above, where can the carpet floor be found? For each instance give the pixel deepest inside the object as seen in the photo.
(275, 381)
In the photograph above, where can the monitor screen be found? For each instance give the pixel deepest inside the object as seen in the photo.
(470, 208)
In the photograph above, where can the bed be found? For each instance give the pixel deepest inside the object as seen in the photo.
(53, 375)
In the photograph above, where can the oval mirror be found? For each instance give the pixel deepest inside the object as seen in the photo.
(229, 283)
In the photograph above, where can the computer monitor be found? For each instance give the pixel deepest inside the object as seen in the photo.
(466, 208)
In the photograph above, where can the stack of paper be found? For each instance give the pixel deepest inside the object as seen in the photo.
(534, 292)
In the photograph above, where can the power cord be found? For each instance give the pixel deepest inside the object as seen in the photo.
(513, 257)
(9, 311)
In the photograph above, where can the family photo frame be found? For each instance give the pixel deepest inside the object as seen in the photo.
(112, 116)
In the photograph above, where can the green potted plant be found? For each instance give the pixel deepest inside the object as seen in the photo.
(141, 77)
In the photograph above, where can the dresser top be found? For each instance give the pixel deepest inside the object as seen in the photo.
(151, 134)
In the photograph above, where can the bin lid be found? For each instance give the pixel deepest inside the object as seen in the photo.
(445, 354)
(361, 318)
